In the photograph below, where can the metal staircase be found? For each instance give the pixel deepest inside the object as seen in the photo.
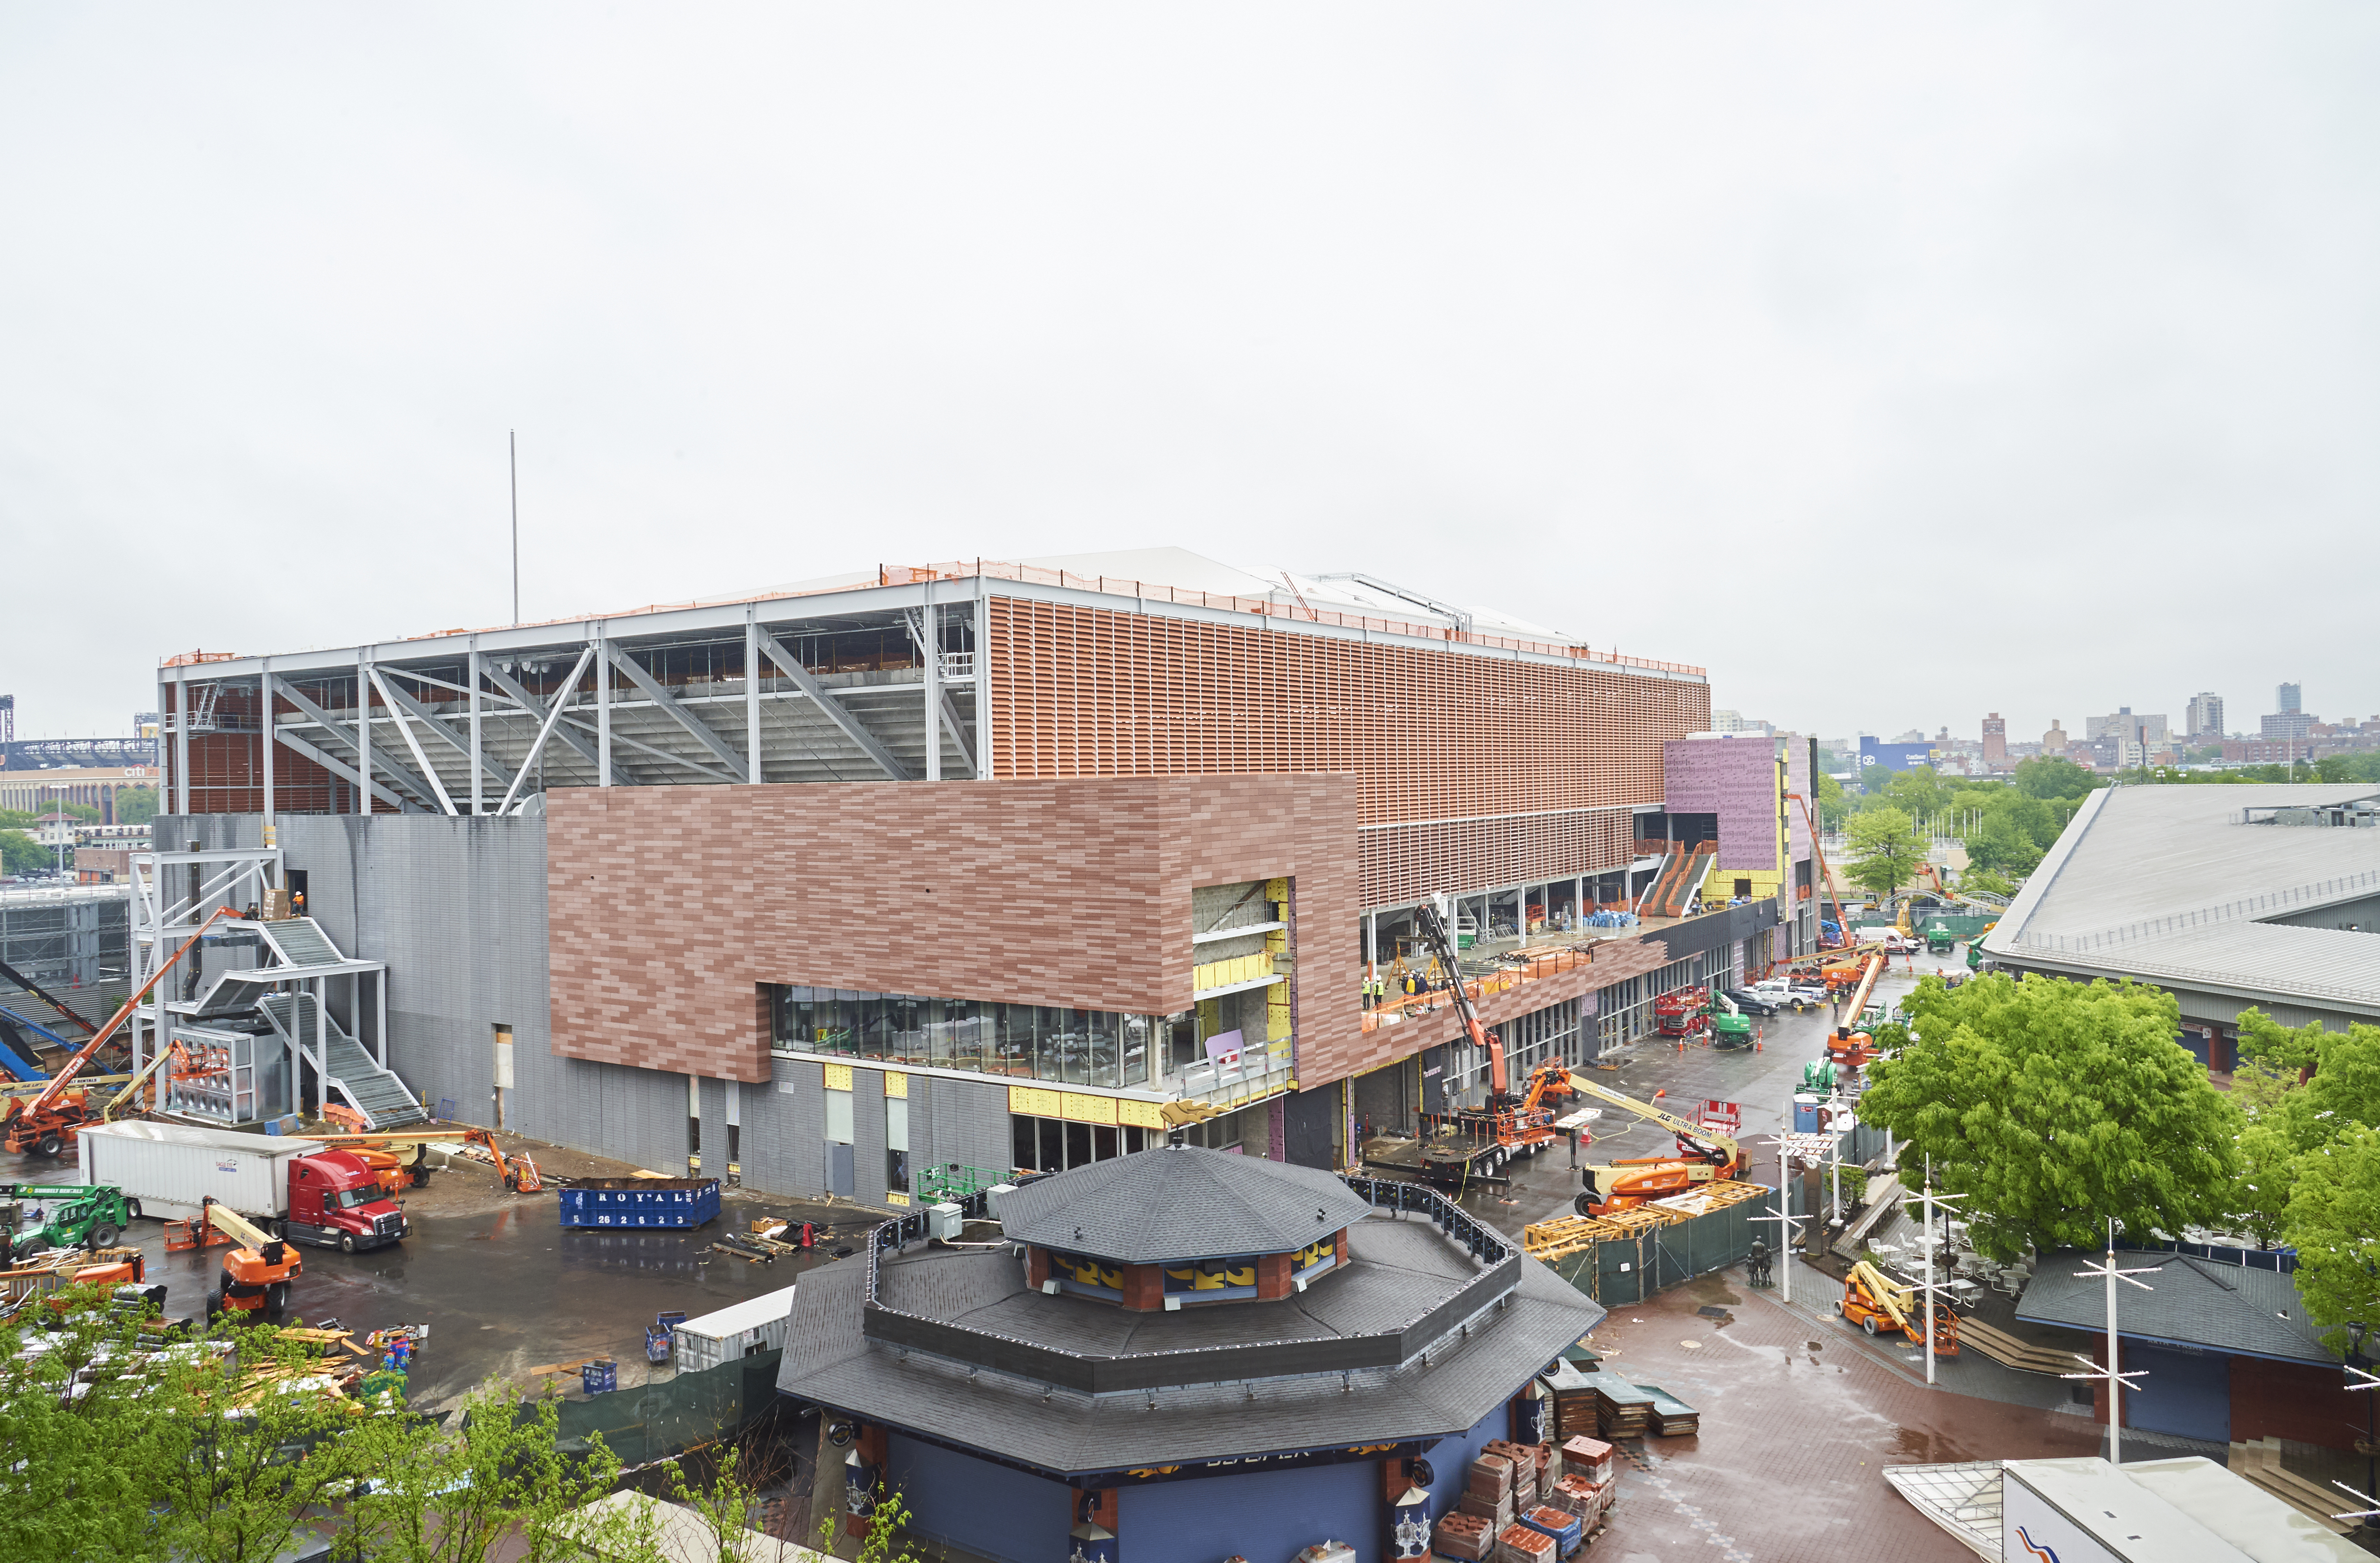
(342, 1062)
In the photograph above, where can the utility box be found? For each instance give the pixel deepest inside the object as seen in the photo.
(740, 1330)
(946, 1221)
(640, 1201)
(991, 1197)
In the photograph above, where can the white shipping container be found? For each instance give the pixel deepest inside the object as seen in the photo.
(734, 1332)
(170, 1169)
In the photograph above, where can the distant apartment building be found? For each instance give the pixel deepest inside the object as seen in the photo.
(1737, 722)
(1995, 739)
(2290, 698)
(2054, 740)
(2205, 715)
(2125, 726)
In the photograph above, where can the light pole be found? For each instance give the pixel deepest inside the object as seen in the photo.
(1933, 1198)
(1784, 1204)
(2117, 1381)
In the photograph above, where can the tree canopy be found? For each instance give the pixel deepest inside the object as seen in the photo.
(2046, 776)
(2334, 1223)
(2058, 1107)
(19, 853)
(1886, 849)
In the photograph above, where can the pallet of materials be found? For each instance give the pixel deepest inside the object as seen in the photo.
(1672, 1417)
(1577, 1495)
(1573, 1393)
(1464, 1536)
(1565, 1528)
(1520, 1544)
(1622, 1410)
(1589, 1458)
(1488, 1492)
(1566, 1235)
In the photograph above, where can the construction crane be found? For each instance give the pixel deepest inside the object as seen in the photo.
(1703, 1156)
(48, 1122)
(1810, 821)
(519, 1173)
(256, 1276)
(1441, 945)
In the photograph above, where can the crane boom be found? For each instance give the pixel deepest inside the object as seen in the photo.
(1433, 930)
(43, 993)
(229, 1220)
(1876, 964)
(1842, 923)
(74, 1065)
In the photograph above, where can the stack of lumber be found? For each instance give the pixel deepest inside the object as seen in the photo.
(1566, 1235)
(2260, 1462)
(1672, 1417)
(1709, 1197)
(1574, 1392)
(1464, 1536)
(1488, 1492)
(1622, 1410)
(2008, 1351)
(1643, 1220)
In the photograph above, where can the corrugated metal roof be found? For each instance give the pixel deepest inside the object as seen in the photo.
(2171, 883)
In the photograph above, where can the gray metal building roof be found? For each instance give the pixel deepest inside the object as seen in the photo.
(1178, 1203)
(2171, 883)
(2196, 1302)
(829, 1361)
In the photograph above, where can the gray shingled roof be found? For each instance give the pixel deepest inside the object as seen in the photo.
(829, 1361)
(2197, 1302)
(1179, 1202)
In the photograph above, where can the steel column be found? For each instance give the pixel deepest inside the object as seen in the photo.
(603, 649)
(363, 732)
(478, 797)
(929, 627)
(752, 695)
(264, 688)
(982, 679)
(182, 739)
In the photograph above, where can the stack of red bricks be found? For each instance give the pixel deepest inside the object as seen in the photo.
(1520, 1543)
(1464, 1536)
(1525, 1465)
(1590, 1474)
(1487, 1494)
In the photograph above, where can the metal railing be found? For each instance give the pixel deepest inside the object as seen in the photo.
(1121, 1372)
(2175, 922)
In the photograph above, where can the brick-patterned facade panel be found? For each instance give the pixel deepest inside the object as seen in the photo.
(1736, 779)
(670, 907)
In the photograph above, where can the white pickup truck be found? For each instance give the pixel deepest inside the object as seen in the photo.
(1785, 996)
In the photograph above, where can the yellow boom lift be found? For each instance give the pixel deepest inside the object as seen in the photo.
(256, 1276)
(1876, 1303)
(1703, 1156)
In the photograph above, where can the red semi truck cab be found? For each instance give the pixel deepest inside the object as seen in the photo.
(335, 1201)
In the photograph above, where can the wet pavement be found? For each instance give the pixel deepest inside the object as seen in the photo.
(504, 1289)
(1798, 1423)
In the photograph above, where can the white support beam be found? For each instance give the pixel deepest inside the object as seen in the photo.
(807, 681)
(651, 689)
(396, 714)
(363, 733)
(344, 771)
(536, 709)
(981, 748)
(420, 789)
(602, 650)
(264, 689)
(479, 801)
(752, 694)
(569, 693)
(622, 740)
(399, 697)
(927, 628)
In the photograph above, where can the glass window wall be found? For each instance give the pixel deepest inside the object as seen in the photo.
(1094, 1048)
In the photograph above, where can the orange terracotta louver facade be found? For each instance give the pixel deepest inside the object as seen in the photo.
(1472, 770)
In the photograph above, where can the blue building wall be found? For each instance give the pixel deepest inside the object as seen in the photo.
(1257, 1514)
(993, 1510)
(2185, 1394)
(1450, 1461)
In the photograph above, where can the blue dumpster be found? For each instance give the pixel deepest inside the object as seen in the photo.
(640, 1201)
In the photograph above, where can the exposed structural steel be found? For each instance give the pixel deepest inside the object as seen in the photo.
(1477, 755)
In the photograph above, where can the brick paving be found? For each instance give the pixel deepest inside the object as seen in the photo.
(1797, 1426)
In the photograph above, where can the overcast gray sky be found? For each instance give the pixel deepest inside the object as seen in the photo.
(1897, 362)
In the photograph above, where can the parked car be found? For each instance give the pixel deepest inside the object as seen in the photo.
(1750, 1003)
(1784, 995)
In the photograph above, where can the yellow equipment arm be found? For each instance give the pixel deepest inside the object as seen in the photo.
(1876, 965)
(239, 1225)
(1893, 1299)
(1669, 1121)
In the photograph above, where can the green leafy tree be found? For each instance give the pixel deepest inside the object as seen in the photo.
(1885, 849)
(2001, 845)
(2263, 1040)
(19, 853)
(87, 812)
(136, 805)
(886, 1540)
(2334, 1223)
(1833, 806)
(1986, 882)
(2058, 1107)
(495, 1479)
(2046, 776)
(75, 1488)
